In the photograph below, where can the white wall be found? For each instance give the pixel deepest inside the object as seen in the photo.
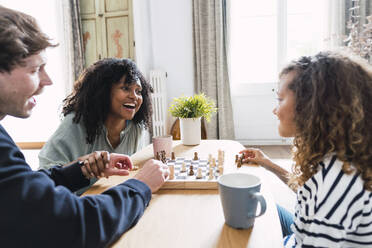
(163, 33)
(142, 36)
(45, 116)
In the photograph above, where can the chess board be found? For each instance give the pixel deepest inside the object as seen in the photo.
(182, 180)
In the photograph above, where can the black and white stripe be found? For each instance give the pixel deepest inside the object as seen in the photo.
(333, 210)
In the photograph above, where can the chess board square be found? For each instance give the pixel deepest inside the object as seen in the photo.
(183, 177)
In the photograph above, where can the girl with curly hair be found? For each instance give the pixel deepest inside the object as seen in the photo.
(108, 110)
(325, 103)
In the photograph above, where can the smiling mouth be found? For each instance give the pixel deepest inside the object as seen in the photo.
(129, 105)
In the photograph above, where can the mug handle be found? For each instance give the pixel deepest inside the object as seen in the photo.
(258, 196)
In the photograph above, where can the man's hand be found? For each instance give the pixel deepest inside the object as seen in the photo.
(153, 173)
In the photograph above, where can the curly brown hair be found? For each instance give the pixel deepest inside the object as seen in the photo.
(333, 114)
(91, 98)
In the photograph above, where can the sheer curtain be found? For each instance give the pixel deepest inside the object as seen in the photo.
(336, 14)
(73, 41)
(334, 28)
(210, 40)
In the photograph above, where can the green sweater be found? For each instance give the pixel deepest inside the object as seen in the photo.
(69, 142)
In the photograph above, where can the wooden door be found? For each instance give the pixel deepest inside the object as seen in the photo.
(107, 29)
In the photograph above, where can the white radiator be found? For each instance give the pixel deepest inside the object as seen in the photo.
(159, 102)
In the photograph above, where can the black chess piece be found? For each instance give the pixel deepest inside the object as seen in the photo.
(191, 171)
(157, 157)
(173, 156)
(239, 164)
(242, 159)
(196, 156)
(163, 157)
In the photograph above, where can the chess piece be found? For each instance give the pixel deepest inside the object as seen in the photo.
(220, 163)
(209, 159)
(171, 172)
(236, 158)
(183, 167)
(213, 162)
(163, 157)
(191, 171)
(221, 157)
(199, 174)
(196, 156)
(239, 163)
(220, 170)
(173, 156)
(242, 159)
(210, 177)
(157, 156)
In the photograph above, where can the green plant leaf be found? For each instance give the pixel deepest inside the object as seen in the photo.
(193, 107)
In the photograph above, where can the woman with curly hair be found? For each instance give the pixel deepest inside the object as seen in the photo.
(107, 111)
(325, 103)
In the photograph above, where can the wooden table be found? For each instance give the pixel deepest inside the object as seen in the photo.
(194, 218)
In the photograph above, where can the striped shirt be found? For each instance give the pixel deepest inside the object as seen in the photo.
(333, 210)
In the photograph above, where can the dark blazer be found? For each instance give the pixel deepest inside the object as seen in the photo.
(38, 209)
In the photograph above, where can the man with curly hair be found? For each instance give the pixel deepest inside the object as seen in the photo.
(108, 111)
(325, 103)
(38, 208)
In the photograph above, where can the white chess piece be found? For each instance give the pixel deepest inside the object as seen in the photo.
(183, 167)
(210, 158)
(220, 162)
(210, 173)
(171, 171)
(199, 173)
(221, 157)
(213, 162)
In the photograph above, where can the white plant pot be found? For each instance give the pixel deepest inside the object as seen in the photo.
(190, 131)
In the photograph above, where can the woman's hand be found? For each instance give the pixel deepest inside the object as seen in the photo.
(119, 165)
(103, 164)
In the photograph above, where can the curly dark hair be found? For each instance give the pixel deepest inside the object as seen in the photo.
(91, 99)
(20, 37)
(333, 114)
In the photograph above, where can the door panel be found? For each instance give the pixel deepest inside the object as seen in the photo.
(90, 41)
(118, 37)
(87, 7)
(116, 5)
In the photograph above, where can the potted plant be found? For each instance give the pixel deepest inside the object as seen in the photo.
(190, 110)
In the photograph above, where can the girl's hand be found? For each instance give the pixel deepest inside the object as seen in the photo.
(255, 155)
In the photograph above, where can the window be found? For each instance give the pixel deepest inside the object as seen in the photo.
(45, 117)
(264, 34)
